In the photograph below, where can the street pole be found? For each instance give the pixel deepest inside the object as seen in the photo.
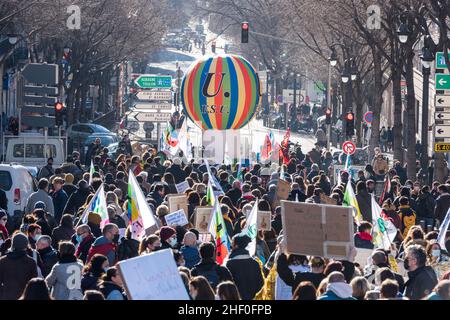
(178, 87)
(330, 106)
(425, 98)
(295, 90)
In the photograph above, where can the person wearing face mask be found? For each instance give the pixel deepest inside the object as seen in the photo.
(34, 232)
(48, 255)
(439, 262)
(149, 244)
(83, 240)
(246, 209)
(168, 237)
(106, 244)
(93, 271)
(421, 278)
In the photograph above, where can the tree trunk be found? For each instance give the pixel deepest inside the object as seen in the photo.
(398, 127)
(411, 114)
(77, 104)
(377, 102)
(358, 113)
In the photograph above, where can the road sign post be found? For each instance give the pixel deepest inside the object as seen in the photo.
(148, 81)
(348, 147)
(154, 95)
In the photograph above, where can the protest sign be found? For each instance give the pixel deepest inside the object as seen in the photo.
(182, 187)
(327, 200)
(152, 276)
(177, 202)
(283, 189)
(317, 229)
(363, 256)
(202, 219)
(177, 218)
(263, 220)
(353, 170)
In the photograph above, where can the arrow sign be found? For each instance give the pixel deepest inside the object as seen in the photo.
(442, 81)
(442, 101)
(442, 116)
(442, 131)
(154, 95)
(153, 116)
(149, 81)
(154, 106)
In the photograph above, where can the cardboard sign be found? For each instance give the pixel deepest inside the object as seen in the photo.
(182, 187)
(177, 218)
(202, 218)
(327, 200)
(363, 256)
(317, 229)
(283, 189)
(153, 276)
(353, 170)
(178, 202)
(264, 220)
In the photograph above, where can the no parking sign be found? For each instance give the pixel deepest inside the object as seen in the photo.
(349, 147)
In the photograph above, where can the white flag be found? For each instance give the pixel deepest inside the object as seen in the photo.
(384, 231)
(251, 228)
(443, 230)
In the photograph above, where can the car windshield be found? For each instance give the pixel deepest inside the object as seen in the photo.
(98, 128)
(35, 151)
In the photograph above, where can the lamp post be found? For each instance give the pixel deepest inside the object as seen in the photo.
(332, 62)
(427, 58)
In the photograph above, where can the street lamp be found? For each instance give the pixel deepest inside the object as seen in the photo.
(403, 30)
(345, 77)
(12, 38)
(427, 55)
(354, 71)
(333, 58)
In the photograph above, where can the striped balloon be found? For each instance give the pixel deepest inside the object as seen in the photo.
(221, 92)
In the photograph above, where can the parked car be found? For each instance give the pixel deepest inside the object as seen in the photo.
(80, 131)
(104, 140)
(18, 184)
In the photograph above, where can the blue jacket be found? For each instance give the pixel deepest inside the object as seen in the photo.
(191, 256)
(330, 295)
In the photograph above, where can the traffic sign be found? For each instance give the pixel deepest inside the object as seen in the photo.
(156, 106)
(41, 73)
(442, 131)
(442, 147)
(154, 95)
(349, 147)
(440, 60)
(368, 117)
(442, 81)
(149, 81)
(149, 126)
(153, 116)
(442, 115)
(442, 101)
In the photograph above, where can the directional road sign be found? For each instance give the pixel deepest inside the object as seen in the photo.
(442, 101)
(442, 81)
(442, 115)
(154, 95)
(442, 131)
(349, 147)
(440, 60)
(153, 116)
(154, 106)
(442, 147)
(149, 81)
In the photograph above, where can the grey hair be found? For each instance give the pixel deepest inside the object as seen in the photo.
(84, 227)
(418, 252)
(45, 238)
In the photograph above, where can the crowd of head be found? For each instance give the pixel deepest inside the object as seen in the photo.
(48, 253)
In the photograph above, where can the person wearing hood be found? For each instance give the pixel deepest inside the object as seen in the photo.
(48, 254)
(64, 279)
(78, 198)
(189, 250)
(274, 177)
(106, 244)
(168, 236)
(421, 278)
(337, 288)
(245, 270)
(296, 193)
(83, 239)
(112, 285)
(16, 269)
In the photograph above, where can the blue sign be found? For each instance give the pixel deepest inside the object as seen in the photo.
(368, 117)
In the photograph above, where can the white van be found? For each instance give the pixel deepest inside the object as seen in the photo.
(18, 184)
(34, 149)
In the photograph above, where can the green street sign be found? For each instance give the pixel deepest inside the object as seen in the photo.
(440, 60)
(154, 82)
(442, 81)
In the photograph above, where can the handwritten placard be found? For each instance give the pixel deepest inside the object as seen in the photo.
(153, 276)
(177, 218)
(182, 186)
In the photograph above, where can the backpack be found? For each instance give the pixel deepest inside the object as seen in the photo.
(212, 276)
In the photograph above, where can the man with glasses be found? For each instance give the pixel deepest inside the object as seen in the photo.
(421, 279)
(83, 240)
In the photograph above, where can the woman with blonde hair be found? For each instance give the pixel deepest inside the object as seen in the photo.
(360, 286)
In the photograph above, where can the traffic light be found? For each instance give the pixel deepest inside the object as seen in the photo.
(328, 116)
(59, 110)
(213, 47)
(350, 124)
(244, 32)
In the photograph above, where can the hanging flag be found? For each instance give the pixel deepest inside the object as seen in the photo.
(350, 201)
(266, 148)
(218, 231)
(183, 141)
(169, 140)
(347, 163)
(251, 229)
(383, 231)
(284, 148)
(443, 230)
(139, 213)
(212, 178)
(386, 189)
(91, 172)
(97, 205)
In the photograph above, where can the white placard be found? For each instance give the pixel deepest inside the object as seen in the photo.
(177, 218)
(153, 116)
(182, 186)
(153, 276)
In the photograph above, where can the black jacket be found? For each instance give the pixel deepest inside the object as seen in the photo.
(246, 273)
(365, 205)
(128, 248)
(442, 205)
(234, 195)
(425, 206)
(294, 279)
(420, 283)
(76, 200)
(106, 287)
(49, 258)
(177, 172)
(4, 201)
(83, 248)
(205, 268)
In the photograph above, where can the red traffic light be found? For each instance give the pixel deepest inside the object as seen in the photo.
(245, 25)
(59, 106)
(350, 116)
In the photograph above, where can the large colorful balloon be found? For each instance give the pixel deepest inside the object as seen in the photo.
(221, 92)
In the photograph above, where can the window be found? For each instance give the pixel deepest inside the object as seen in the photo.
(5, 180)
(34, 151)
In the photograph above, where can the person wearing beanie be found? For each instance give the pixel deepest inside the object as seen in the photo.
(245, 270)
(16, 269)
(3, 231)
(168, 237)
(68, 186)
